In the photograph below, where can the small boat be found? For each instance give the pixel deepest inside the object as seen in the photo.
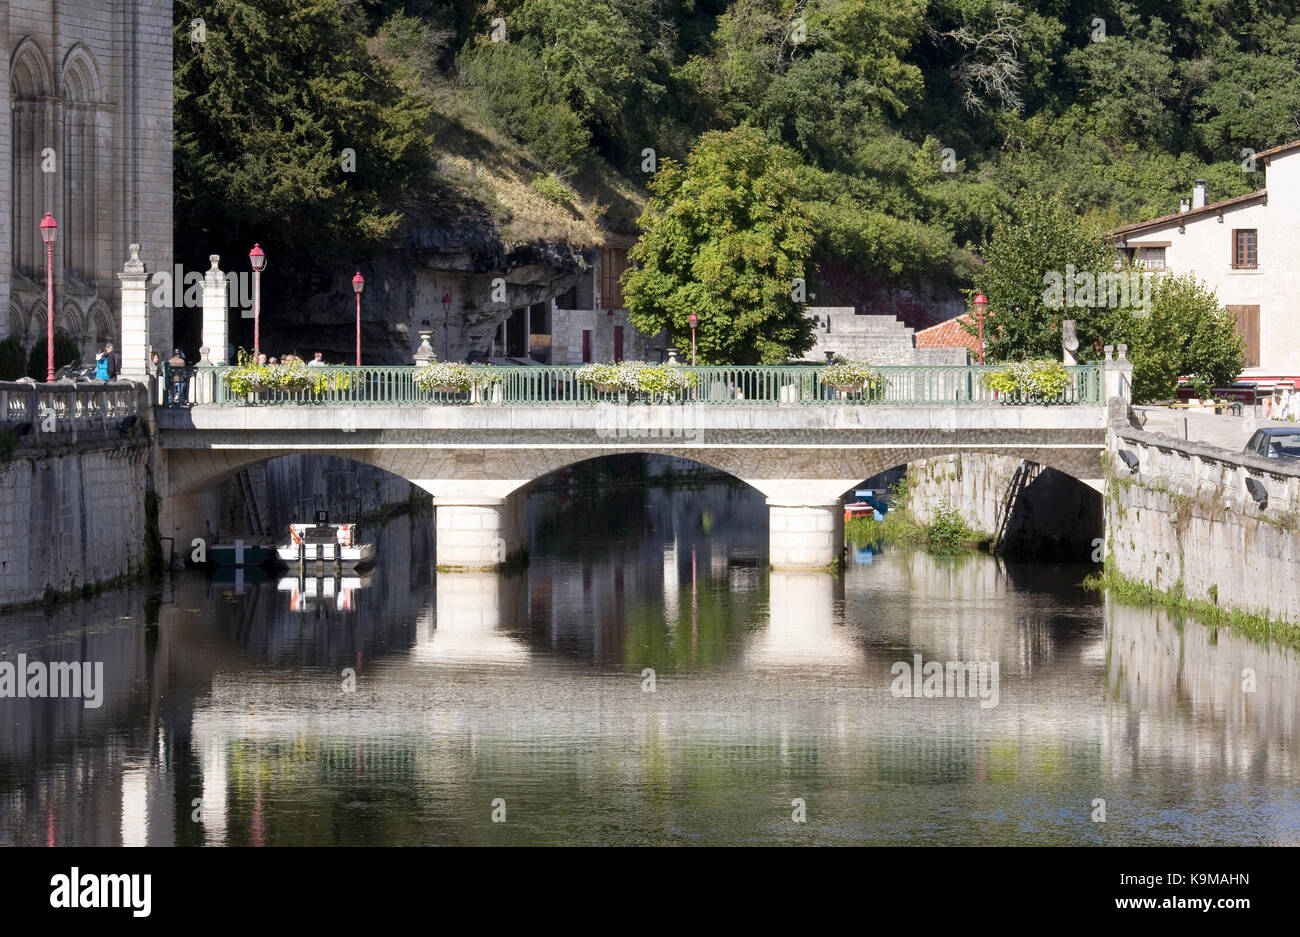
(307, 592)
(239, 553)
(860, 509)
(325, 543)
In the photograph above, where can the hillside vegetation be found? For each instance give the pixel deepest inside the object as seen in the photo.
(909, 123)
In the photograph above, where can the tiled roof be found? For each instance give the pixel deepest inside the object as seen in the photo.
(1273, 151)
(948, 334)
(1164, 220)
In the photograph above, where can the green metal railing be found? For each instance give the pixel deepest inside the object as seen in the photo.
(548, 386)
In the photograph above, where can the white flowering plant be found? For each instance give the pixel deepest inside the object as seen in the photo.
(289, 377)
(1037, 381)
(852, 376)
(637, 377)
(444, 376)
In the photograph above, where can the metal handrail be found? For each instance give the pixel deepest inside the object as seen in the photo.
(727, 385)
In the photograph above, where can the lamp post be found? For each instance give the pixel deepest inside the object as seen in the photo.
(49, 232)
(981, 306)
(694, 320)
(258, 260)
(358, 284)
(446, 326)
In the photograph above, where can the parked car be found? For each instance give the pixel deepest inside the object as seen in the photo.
(1275, 442)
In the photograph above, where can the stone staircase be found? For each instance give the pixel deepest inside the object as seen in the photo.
(881, 340)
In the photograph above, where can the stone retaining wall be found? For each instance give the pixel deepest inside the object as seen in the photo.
(1042, 513)
(1186, 519)
(71, 518)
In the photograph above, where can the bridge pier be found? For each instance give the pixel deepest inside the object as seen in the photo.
(804, 536)
(475, 534)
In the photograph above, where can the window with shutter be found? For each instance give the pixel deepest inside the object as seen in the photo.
(1248, 330)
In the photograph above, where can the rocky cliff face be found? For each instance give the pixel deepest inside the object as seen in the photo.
(467, 259)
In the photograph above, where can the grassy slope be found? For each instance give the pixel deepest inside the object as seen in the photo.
(486, 166)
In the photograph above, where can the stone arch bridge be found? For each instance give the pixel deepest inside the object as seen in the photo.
(477, 460)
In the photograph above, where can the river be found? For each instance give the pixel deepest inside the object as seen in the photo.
(647, 680)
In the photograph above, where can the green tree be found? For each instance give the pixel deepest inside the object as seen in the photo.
(1038, 241)
(724, 237)
(13, 359)
(268, 110)
(65, 352)
(1186, 332)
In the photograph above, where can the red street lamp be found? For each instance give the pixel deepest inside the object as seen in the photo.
(446, 326)
(49, 232)
(694, 320)
(981, 307)
(258, 260)
(358, 284)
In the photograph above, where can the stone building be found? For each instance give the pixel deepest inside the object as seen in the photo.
(1247, 249)
(87, 135)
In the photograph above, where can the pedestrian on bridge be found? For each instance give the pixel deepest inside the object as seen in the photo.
(176, 366)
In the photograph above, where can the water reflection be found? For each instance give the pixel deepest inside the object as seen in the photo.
(646, 680)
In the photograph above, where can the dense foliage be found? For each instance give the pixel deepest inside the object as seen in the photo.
(724, 238)
(1173, 326)
(907, 126)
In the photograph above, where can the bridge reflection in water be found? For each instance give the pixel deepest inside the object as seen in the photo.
(533, 688)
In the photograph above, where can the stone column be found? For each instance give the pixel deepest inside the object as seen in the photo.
(1117, 374)
(476, 534)
(805, 536)
(216, 325)
(135, 319)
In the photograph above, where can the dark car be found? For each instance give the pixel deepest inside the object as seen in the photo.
(1275, 442)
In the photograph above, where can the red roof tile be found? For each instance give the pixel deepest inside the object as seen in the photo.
(948, 334)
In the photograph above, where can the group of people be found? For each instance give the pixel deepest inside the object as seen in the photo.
(318, 360)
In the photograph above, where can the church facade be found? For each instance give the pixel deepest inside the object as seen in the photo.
(86, 135)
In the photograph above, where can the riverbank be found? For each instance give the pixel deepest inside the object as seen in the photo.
(1252, 625)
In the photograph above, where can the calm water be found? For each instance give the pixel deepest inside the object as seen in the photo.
(225, 718)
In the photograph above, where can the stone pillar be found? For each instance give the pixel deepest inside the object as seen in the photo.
(1118, 374)
(216, 326)
(805, 536)
(1069, 342)
(135, 319)
(475, 534)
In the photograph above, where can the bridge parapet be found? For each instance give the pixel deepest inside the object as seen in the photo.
(732, 385)
(70, 411)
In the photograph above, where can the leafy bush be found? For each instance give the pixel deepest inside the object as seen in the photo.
(948, 531)
(1037, 381)
(13, 359)
(513, 86)
(549, 188)
(65, 352)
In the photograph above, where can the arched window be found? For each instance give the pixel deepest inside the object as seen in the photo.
(82, 96)
(29, 85)
(101, 325)
(17, 327)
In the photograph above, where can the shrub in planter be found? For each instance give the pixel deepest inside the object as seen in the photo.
(851, 376)
(662, 378)
(1040, 381)
(449, 377)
